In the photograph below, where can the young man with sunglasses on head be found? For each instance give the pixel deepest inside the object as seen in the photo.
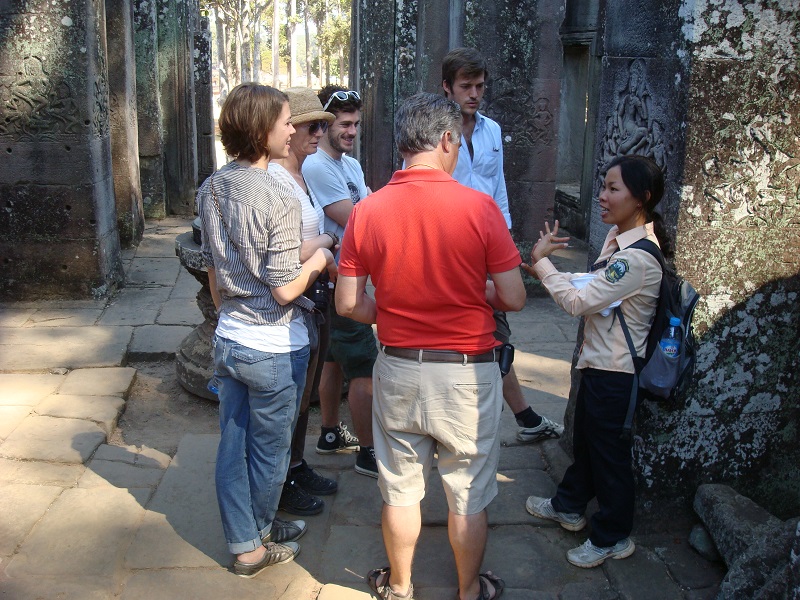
(337, 181)
(480, 166)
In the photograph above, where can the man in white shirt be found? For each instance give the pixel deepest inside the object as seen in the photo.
(337, 181)
(480, 166)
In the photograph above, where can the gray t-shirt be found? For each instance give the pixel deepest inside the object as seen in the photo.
(333, 180)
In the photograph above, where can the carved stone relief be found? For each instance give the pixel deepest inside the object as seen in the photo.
(631, 129)
(33, 104)
(528, 122)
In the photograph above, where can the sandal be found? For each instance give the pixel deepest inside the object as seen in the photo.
(485, 579)
(378, 581)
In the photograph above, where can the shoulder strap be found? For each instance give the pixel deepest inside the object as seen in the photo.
(652, 249)
(626, 428)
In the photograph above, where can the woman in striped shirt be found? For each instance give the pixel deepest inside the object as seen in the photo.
(251, 226)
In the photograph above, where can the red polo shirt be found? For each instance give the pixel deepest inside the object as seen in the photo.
(428, 243)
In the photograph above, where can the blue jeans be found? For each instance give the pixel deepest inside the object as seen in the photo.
(259, 396)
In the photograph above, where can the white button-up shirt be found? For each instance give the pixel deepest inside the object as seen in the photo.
(484, 171)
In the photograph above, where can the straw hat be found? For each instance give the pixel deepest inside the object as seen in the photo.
(305, 106)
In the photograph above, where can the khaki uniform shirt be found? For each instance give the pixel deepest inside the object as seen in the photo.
(631, 275)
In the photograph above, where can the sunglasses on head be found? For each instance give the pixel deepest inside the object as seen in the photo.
(315, 126)
(342, 97)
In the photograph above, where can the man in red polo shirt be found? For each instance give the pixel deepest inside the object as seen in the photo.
(428, 243)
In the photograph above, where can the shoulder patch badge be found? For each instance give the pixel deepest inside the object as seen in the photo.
(616, 270)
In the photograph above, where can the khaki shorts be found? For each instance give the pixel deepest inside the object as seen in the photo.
(420, 409)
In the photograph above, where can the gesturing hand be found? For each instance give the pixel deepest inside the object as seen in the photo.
(548, 243)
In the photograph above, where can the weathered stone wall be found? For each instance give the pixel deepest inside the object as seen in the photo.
(403, 44)
(58, 223)
(710, 90)
(206, 154)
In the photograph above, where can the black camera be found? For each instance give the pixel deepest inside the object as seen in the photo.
(319, 293)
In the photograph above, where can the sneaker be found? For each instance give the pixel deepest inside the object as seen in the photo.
(587, 555)
(543, 508)
(337, 439)
(285, 531)
(546, 430)
(296, 501)
(366, 463)
(312, 482)
(276, 554)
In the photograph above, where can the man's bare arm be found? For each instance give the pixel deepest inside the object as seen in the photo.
(339, 211)
(352, 300)
(506, 291)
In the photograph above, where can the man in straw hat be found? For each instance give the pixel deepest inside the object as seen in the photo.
(429, 244)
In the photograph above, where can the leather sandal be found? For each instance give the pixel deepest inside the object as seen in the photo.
(484, 579)
(378, 581)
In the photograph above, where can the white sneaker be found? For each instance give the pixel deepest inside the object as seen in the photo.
(546, 430)
(543, 508)
(587, 555)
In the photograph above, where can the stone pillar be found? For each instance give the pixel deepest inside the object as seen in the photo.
(58, 224)
(407, 42)
(520, 41)
(711, 93)
(176, 85)
(148, 100)
(204, 101)
(124, 133)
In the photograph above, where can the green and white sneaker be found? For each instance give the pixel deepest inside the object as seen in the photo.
(543, 508)
(587, 555)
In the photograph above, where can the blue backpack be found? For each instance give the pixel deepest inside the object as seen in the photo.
(658, 376)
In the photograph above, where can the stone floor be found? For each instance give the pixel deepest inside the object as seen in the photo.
(81, 518)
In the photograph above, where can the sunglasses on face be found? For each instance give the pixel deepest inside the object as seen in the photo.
(342, 97)
(315, 126)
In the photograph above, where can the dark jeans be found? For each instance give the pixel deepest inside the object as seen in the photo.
(603, 462)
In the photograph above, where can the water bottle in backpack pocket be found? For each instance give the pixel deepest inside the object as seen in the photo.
(661, 373)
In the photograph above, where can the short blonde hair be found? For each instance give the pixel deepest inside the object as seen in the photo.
(247, 116)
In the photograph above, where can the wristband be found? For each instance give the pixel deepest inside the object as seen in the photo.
(333, 238)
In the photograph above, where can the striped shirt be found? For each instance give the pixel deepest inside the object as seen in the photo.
(263, 217)
(312, 211)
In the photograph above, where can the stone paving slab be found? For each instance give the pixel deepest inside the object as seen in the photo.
(21, 507)
(135, 306)
(27, 390)
(111, 381)
(103, 410)
(85, 532)
(683, 563)
(44, 348)
(15, 317)
(39, 473)
(100, 473)
(182, 526)
(76, 587)
(153, 271)
(157, 342)
(278, 582)
(10, 418)
(186, 286)
(64, 317)
(53, 439)
(157, 245)
(642, 575)
(180, 311)
(144, 457)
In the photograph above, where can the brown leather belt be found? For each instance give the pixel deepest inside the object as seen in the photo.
(441, 356)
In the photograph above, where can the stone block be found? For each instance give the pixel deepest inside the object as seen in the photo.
(156, 245)
(21, 507)
(701, 541)
(10, 418)
(642, 575)
(182, 526)
(520, 457)
(100, 473)
(27, 390)
(686, 568)
(93, 527)
(514, 487)
(44, 348)
(39, 473)
(186, 286)
(76, 587)
(103, 410)
(53, 439)
(734, 521)
(72, 317)
(217, 582)
(358, 501)
(135, 306)
(639, 37)
(180, 312)
(153, 271)
(331, 591)
(112, 381)
(148, 458)
(15, 317)
(157, 342)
